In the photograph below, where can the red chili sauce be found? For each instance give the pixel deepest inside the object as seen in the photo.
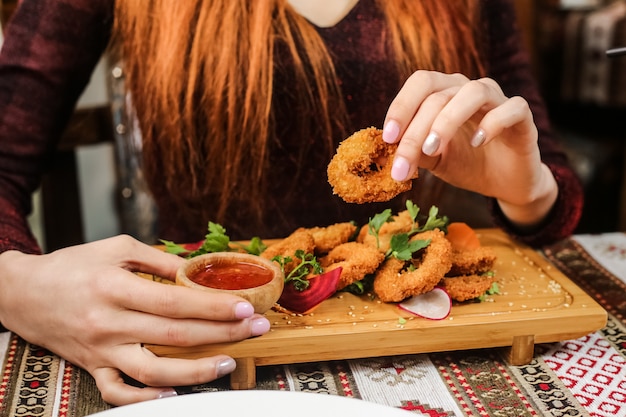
(232, 276)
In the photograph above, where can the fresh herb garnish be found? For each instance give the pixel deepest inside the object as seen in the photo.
(216, 240)
(376, 222)
(401, 245)
(494, 289)
(174, 248)
(361, 287)
(256, 246)
(403, 249)
(298, 276)
(433, 221)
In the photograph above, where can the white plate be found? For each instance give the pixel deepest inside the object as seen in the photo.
(257, 403)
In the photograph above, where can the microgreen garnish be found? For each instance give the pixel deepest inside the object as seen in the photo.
(376, 222)
(216, 240)
(403, 249)
(256, 246)
(173, 248)
(433, 221)
(494, 289)
(401, 245)
(361, 287)
(308, 265)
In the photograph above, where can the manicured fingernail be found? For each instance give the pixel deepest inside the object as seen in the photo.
(167, 393)
(225, 367)
(479, 138)
(260, 326)
(243, 310)
(400, 169)
(431, 144)
(391, 131)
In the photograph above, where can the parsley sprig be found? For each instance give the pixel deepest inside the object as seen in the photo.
(433, 221)
(298, 276)
(494, 289)
(401, 245)
(376, 222)
(216, 240)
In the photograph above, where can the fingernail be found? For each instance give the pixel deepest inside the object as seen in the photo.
(431, 144)
(225, 367)
(391, 131)
(167, 393)
(243, 310)
(400, 168)
(479, 138)
(260, 326)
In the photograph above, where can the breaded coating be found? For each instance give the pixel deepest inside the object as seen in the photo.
(360, 171)
(472, 262)
(467, 287)
(326, 238)
(299, 239)
(356, 259)
(402, 223)
(394, 282)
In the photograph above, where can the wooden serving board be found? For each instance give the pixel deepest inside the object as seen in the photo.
(536, 304)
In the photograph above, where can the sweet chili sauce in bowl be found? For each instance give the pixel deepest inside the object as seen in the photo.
(251, 277)
(238, 276)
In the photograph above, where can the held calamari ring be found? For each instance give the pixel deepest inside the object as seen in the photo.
(360, 171)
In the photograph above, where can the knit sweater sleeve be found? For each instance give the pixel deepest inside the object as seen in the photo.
(50, 50)
(509, 64)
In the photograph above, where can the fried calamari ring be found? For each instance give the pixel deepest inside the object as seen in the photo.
(394, 282)
(467, 287)
(360, 171)
(326, 238)
(402, 223)
(300, 239)
(356, 259)
(472, 262)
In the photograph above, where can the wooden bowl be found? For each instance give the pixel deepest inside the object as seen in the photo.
(251, 277)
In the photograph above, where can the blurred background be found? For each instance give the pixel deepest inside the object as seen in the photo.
(91, 192)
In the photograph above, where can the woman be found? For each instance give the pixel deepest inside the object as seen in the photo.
(241, 106)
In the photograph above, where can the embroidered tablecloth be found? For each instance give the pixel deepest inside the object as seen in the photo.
(582, 377)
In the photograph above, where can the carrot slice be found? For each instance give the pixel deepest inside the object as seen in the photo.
(320, 288)
(462, 236)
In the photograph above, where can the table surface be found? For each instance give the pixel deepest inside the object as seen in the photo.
(585, 376)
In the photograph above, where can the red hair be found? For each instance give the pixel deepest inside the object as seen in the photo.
(203, 91)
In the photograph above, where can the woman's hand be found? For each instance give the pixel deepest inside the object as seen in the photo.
(86, 304)
(469, 134)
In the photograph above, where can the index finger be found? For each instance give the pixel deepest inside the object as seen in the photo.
(133, 255)
(405, 105)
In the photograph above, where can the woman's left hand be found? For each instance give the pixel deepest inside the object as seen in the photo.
(469, 134)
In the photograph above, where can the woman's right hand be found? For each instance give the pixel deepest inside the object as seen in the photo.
(85, 304)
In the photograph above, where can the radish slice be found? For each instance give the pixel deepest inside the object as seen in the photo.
(434, 305)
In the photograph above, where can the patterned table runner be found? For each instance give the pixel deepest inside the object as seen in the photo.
(583, 377)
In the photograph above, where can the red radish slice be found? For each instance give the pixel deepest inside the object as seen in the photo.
(320, 288)
(434, 305)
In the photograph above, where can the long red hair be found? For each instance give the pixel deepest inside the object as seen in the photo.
(201, 75)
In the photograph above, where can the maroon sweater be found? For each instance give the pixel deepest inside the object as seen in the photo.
(46, 62)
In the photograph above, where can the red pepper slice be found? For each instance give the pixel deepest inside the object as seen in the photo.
(320, 288)
(192, 246)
